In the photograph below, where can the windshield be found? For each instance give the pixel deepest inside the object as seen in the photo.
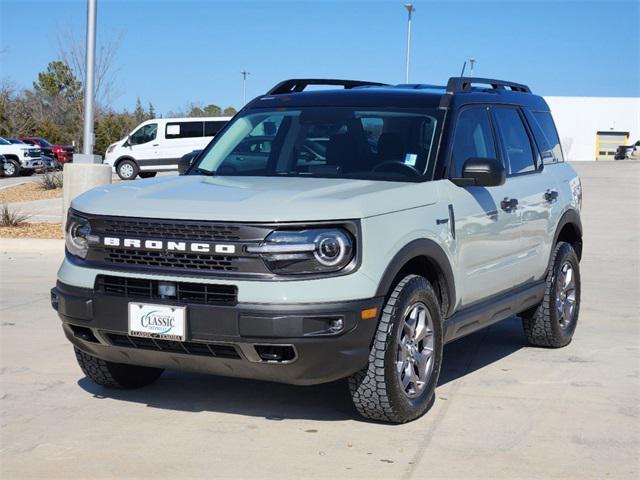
(4, 142)
(344, 142)
(42, 142)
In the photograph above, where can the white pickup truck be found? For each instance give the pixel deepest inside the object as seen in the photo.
(20, 159)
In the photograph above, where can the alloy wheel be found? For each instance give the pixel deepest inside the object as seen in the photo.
(566, 295)
(414, 357)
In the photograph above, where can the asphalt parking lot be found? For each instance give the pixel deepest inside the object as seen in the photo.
(503, 410)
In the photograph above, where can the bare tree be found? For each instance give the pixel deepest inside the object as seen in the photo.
(71, 49)
(15, 111)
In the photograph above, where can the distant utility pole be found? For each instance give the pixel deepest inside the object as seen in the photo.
(472, 62)
(244, 74)
(410, 9)
(89, 90)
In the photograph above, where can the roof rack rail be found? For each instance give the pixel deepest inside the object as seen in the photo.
(463, 84)
(295, 85)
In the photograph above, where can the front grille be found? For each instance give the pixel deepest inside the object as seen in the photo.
(185, 261)
(186, 292)
(33, 153)
(219, 350)
(237, 262)
(173, 230)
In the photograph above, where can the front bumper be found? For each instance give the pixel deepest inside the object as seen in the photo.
(244, 340)
(32, 163)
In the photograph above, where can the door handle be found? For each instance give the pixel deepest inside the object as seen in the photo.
(155, 145)
(550, 195)
(509, 204)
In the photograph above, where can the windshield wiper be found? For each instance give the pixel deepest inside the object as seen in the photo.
(210, 173)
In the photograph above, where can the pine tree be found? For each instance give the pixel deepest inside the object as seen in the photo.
(152, 112)
(138, 113)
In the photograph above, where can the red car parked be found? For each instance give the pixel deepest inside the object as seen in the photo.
(62, 153)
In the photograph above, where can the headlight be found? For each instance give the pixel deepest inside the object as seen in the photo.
(306, 251)
(111, 148)
(77, 237)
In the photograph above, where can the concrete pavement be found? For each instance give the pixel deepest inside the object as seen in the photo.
(503, 410)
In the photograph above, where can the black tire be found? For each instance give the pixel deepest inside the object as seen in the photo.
(376, 390)
(147, 174)
(127, 170)
(116, 375)
(543, 325)
(27, 172)
(11, 168)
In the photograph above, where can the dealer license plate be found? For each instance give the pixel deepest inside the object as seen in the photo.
(157, 321)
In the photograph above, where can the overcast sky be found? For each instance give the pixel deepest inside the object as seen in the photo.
(175, 52)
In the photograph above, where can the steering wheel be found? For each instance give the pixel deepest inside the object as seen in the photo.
(391, 165)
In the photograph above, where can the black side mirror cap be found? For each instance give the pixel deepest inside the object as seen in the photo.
(482, 172)
(186, 161)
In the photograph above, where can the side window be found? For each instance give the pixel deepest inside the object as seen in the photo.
(144, 134)
(372, 127)
(212, 128)
(184, 130)
(473, 138)
(515, 140)
(546, 136)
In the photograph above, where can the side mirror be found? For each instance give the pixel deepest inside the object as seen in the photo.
(482, 172)
(186, 161)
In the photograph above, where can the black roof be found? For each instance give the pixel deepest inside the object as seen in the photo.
(459, 91)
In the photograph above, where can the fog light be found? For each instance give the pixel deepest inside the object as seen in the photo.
(336, 325)
(166, 289)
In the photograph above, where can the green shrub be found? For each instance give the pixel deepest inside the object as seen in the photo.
(51, 181)
(12, 219)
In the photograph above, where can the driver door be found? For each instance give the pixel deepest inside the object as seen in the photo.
(143, 144)
(487, 238)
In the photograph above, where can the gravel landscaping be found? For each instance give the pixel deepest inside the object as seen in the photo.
(26, 192)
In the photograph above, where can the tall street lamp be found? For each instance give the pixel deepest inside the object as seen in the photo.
(410, 9)
(244, 74)
(89, 89)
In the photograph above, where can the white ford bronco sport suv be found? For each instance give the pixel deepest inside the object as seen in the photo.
(327, 234)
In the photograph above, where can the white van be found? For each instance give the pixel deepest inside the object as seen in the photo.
(156, 145)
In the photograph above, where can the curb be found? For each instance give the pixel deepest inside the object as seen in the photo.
(14, 184)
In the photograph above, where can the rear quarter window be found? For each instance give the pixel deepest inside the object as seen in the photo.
(212, 128)
(546, 136)
(184, 130)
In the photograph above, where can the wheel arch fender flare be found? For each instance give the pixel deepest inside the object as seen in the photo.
(429, 249)
(122, 159)
(570, 217)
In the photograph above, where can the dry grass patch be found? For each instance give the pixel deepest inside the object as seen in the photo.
(33, 230)
(28, 191)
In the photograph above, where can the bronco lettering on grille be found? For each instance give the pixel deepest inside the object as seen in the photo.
(169, 246)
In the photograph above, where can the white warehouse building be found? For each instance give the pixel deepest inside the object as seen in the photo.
(591, 128)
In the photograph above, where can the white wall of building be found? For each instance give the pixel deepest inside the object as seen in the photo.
(579, 118)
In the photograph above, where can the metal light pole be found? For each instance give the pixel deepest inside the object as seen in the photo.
(87, 143)
(410, 9)
(87, 170)
(244, 74)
